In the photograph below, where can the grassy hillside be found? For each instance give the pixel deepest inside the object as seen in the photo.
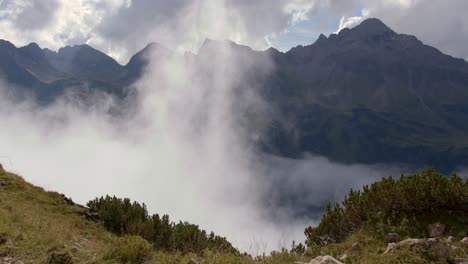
(45, 227)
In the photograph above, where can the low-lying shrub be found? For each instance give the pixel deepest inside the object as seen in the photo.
(401, 204)
(123, 217)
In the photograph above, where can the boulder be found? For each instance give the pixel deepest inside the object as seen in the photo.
(392, 238)
(464, 240)
(437, 248)
(325, 260)
(436, 230)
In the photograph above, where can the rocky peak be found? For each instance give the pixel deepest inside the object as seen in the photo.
(372, 26)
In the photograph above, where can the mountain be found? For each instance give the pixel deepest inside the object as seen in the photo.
(370, 95)
(364, 95)
(79, 69)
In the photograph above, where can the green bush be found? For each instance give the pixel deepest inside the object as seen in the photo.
(391, 205)
(123, 217)
(131, 249)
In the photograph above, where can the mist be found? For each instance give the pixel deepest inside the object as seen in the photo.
(185, 150)
(185, 147)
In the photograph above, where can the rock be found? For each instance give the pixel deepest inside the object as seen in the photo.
(390, 248)
(344, 257)
(460, 261)
(464, 240)
(392, 238)
(354, 246)
(436, 230)
(450, 239)
(75, 248)
(439, 248)
(325, 260)
(194, 261)
(412, 242)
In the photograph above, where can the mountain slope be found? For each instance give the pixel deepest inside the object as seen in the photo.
(370, 95)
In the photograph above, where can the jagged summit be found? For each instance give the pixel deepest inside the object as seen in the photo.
(372, 26)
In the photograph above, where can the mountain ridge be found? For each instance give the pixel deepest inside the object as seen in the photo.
(363, 95)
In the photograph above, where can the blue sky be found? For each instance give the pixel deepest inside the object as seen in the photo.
(307, 31)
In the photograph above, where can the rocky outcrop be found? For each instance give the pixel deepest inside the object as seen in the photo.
(437, 248)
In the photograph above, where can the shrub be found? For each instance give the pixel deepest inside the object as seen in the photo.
(131, 249)
(123, 217)
(391, 205)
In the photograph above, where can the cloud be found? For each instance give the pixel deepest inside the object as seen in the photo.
(122, 27)
(185, 151)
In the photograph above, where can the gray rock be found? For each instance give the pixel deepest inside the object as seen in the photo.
(325, 260)
(76, 247)
(436, 230)
(194, 261)
(450, 239)
(390, 248)
(354, 246)
(412, 242)
(438, 248)
(464, 240)
(392, 238)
